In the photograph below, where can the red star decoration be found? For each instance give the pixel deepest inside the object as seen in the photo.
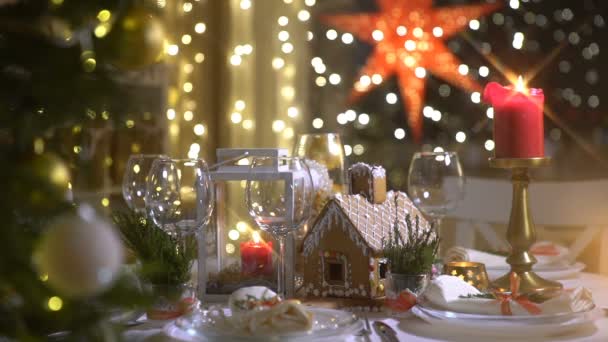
(408, 36)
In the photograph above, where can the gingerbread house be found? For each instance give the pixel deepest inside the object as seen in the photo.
(342, 249)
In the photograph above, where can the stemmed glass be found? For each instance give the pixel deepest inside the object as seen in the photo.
(179, 197)
(436, 183)
(326, 149)
(135, 178)
(279, 207)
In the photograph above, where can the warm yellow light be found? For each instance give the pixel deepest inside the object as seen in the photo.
(199, 57)
(255, 236)
(200, 28)
(288, 92)
(172, 49)
(199, 129)
(100, 31)
(55, 303)
(130, 123)
(317, 123)
(241, 226)
(230, 248)
(288, 133)
(170, 113)
(287, 47)
(247, 124)
(57, 2)
(283, 36)
(520, 86)
(188, 115)
(303, 15)
(174, 130)
(239, 105)
(188, 87)
(245, 4)
(39, 145)
(104, 15)
(283, 20)
(186, 39)
(278, 125)
(236, 60)
(188, 68)
(234, 234)
(236, 117)
(187, 7)
(292, 112)
(45, 277)
(278, 63)
(89, 64)
(105, 202)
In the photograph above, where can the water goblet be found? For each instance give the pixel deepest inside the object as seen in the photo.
(277, 206)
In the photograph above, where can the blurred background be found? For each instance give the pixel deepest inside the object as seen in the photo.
(96, 82)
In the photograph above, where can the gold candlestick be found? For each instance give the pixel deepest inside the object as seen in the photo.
(521, 233)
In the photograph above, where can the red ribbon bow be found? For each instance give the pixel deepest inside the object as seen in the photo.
(404, 301)
(505, 299)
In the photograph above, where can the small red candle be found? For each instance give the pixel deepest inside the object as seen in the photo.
(518, 120)
(256, 257)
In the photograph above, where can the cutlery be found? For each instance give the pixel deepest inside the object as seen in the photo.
(386, 333)
(366, 331)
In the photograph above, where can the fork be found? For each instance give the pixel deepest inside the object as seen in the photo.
(367, 330)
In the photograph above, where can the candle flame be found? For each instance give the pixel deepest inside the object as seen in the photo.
(520, 86)
(256, 237)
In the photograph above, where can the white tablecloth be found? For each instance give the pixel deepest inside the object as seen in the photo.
(412, 329)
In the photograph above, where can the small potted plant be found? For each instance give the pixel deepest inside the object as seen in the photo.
(410, 258)
(163, 265)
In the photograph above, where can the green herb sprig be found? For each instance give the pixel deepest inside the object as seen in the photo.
(164, 260)
(415, 255)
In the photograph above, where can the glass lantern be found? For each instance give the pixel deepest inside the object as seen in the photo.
(234, 252)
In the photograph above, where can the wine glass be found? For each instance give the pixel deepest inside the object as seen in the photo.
(271, 206)
(436, 183)
(327, 150)
(134, 180)
(179, 195)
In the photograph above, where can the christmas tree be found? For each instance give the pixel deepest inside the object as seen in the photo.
(63, 65)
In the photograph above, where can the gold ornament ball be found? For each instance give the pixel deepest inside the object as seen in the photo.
(79, 254)
(44, 181)
(136, 40)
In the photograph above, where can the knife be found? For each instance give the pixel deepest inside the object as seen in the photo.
(386, 333)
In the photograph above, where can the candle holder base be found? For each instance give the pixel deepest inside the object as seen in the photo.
(521, 233)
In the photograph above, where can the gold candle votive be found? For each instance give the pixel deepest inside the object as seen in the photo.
(473, 273)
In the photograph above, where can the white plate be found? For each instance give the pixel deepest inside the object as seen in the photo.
(327, 323)
(505, 328)
(515, 319)
(553, 273)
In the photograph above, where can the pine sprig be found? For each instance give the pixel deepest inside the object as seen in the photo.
(415, 255)
(164, 261)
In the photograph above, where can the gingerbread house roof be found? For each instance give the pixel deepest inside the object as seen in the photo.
(365, 223)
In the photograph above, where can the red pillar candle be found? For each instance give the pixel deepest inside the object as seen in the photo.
(256, 257)
(518, 120)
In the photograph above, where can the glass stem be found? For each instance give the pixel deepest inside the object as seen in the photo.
(281, 289)
(437, 227)
(182, 245)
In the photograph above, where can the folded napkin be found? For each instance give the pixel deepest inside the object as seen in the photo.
(454, 294)
(546, 253)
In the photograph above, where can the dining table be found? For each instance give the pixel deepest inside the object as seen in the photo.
(412, 329)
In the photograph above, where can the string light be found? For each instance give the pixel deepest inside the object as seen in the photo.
(278, 63)
(317, 123)
(303, 15)
(199, 57)
(199, 129)
(461, 137)
(200, 28)
(278, 126)
(399, 133)
(245, 4)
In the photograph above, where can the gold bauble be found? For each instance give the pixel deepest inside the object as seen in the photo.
(42, 181)
(136, 40)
